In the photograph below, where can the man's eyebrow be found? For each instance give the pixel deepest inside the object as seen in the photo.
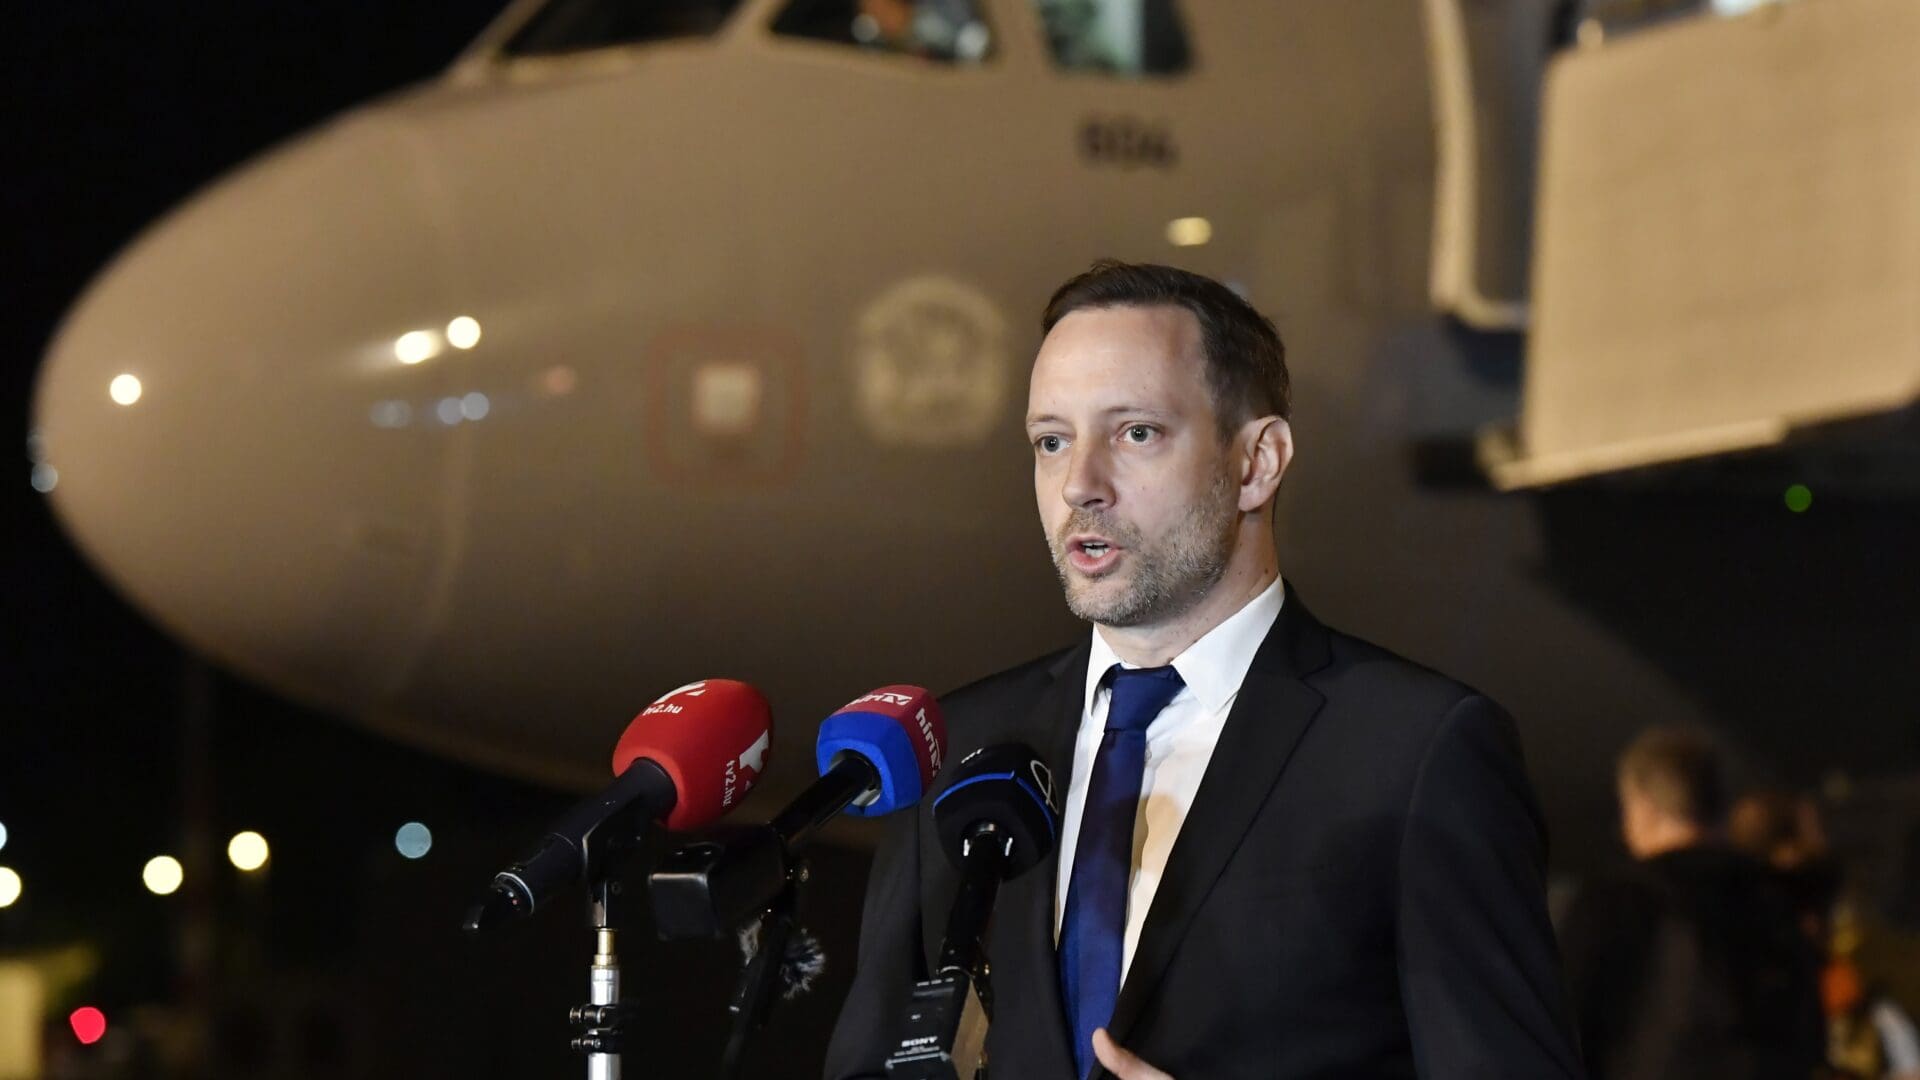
(1137, 410)
(1112, 410)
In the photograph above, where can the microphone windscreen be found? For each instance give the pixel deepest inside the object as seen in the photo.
(711, 738)
(897, 728)
(800, 965)
(1010, 786)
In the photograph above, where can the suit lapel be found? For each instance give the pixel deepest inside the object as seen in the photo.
(1026, 973)
(1272, 711)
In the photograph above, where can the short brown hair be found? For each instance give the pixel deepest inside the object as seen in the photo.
(1679, 771)
(1246, 360)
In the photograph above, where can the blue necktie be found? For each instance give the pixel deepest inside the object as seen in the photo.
(1093, 930)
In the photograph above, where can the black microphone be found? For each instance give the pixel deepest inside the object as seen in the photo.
(996, 821)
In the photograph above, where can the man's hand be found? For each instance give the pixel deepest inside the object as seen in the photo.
(1120, 1061)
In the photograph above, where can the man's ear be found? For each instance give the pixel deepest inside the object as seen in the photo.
(1267, 450)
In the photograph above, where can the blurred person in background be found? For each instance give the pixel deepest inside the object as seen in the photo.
(1784, 831)
(1689, 962)
(1869, 1035)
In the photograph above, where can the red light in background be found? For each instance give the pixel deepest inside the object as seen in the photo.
(89, 1024)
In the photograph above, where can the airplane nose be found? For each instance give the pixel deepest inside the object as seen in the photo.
(206, 408)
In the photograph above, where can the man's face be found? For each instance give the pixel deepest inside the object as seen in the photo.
(1136, 492)
(1639, 819)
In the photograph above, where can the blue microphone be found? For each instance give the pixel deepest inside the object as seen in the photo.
(891, 741)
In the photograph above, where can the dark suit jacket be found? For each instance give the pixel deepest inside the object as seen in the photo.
(1691, 963)
(1357, 889)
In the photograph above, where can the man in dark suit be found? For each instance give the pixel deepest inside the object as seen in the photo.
(1284, 852)
(1691, 961)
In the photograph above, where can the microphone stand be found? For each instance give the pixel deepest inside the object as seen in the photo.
(934, 1008)
(601, 1023)
(760, 978)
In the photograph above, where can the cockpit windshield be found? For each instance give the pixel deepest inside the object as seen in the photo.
(950, 31)
(565, 26)
(1115, 37)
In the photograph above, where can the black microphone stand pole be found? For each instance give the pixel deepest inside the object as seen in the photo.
(760, 979)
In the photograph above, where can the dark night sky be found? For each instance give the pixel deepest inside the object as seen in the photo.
(116, 113)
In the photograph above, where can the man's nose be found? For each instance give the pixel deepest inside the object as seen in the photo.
(1089, 479)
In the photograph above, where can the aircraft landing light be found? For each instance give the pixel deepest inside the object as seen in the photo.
(124, 389)
(416, 346)
(463, 332)
(1189, 231)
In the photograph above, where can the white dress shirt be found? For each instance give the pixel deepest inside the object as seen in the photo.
(1180, 742)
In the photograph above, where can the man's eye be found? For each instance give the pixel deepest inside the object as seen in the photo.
(1048, 444)
(1139, 433)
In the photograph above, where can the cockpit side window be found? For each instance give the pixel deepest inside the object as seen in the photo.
(565, 26)
(951, 31)
(1116, 37)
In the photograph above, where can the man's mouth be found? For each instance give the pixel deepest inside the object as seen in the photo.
(1091, 554)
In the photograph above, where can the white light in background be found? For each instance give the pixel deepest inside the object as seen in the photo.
(726, 399)
(416, 346)
(9, 886)
(413, 840)
(475, 406)
(45, 478)
(247, 850)
(390, 414)
(3, 836)
(124, 389)
(463, 332)
(1189, 231)
(163, 875)
(448, 410)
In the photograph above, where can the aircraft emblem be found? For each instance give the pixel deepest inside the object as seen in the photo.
(930, 364)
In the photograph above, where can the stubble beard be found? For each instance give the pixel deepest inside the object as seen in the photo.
(1163, 579)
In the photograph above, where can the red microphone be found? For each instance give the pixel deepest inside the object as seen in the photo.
(686, 759)
(711, 738)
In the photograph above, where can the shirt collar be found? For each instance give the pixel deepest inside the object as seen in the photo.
(1214, 666)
